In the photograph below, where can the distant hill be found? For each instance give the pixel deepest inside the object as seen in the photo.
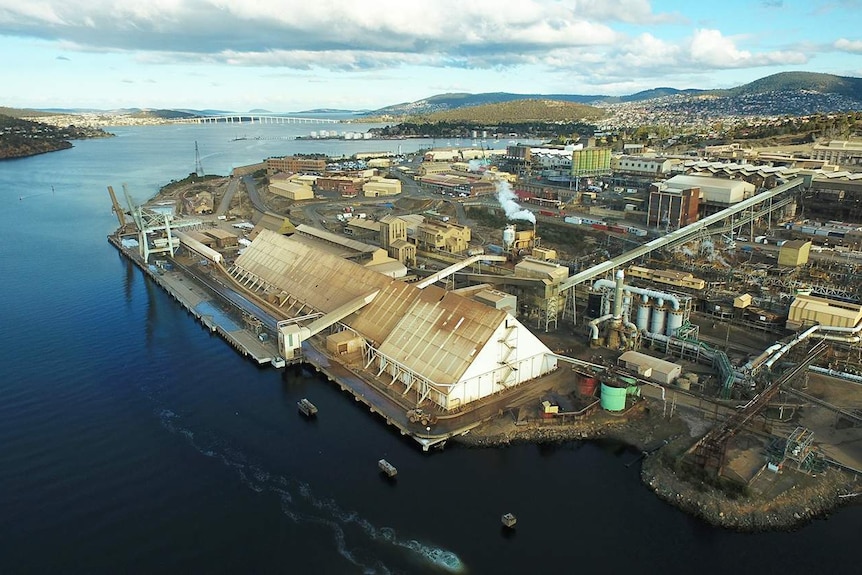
(792, 83)
(23, 112)
(519, 111)
(443, 102)
(329, 111)
(799, 81)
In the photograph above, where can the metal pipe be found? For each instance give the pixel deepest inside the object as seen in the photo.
(603, 283)
(594, 325)
(834, 373)
(786, 347)
(855, 329)
(762, 357)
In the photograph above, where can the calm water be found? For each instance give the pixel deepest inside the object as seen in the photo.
(134, 441)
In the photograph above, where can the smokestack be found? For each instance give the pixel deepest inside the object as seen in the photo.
(618, 295)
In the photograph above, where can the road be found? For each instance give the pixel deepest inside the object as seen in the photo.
(226, 200)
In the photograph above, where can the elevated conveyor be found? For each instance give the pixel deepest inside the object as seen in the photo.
(680, 235)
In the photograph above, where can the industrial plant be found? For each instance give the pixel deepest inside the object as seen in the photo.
(463, 285)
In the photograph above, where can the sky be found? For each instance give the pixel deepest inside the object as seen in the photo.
(287, 56)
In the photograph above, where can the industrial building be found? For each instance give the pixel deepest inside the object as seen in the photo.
(293, 164)
(807, 310)
(794, 253)
(291, 190)
(672, 208)
(839, 152)
(649, 367)
(654, 166)
(378, 186)
(436, 345)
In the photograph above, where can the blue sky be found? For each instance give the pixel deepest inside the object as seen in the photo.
(285, 55)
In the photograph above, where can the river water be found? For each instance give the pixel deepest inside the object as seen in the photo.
(132, 440)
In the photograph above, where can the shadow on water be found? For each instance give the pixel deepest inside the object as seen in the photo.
(507, 532)
(129, 279)
(152, 311)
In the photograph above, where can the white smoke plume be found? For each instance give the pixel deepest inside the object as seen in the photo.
(507, 198)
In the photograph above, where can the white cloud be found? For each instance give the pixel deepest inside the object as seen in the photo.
(711, 48)
(845, 45)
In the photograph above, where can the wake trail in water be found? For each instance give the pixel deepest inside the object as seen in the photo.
(301, 505)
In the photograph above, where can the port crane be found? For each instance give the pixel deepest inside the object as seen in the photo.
(153, 227)
(118, 211)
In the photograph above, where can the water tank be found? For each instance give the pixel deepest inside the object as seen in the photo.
(642, 318)
(509, 236)
(674, 321)
(586, 385)
(657, 320)
(613, 398)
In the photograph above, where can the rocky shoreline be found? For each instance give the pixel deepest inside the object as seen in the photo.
(804, 501)
(788, 510)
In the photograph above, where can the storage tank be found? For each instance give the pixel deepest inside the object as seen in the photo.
(642, 318)
(509, 237)
(657, 320)
(674, 321)
(613, 398)
(586, 385)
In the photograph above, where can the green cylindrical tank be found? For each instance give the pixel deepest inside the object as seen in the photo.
(613, 398)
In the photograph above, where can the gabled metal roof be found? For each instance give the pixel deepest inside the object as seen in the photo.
(441, 334)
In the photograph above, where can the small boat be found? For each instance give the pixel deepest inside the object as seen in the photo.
(387, 468)
(307, 408)
(509, 520)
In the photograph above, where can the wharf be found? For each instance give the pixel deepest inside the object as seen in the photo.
(203, 296)
(202, 302)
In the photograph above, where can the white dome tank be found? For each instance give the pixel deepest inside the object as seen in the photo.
(509, 236)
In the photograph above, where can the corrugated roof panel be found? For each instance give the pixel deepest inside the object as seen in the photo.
(441, 333)
(377, 320)
(318, 279)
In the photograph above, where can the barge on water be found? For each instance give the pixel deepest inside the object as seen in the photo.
(387, 468)
(307, 408)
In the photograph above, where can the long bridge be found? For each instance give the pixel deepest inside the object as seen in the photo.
(253, 119)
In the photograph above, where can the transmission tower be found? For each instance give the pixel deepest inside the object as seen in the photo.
(199, 168)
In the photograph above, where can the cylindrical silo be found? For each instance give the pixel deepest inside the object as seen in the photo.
(613, 398)
(657, 319)
(642, 319)
(586, 385)
(674, 321)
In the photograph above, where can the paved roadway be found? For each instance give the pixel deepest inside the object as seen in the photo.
(226, 200)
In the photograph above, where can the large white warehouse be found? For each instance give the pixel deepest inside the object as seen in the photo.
(438, 345)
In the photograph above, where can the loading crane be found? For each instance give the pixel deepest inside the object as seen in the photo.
(118, 211)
